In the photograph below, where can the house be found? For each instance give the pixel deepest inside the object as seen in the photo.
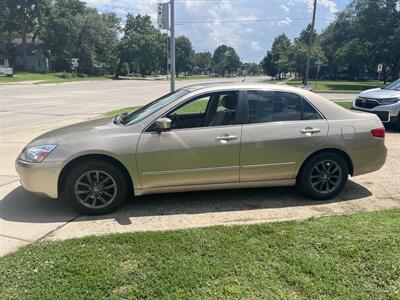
(36, 60)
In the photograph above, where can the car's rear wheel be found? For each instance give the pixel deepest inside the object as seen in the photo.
(96, 187)
(323, 176)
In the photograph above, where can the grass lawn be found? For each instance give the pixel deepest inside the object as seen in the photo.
(45, 78)
(345, 104)
(120, 111)
(338, 86)
(342, 257)
(193, 77)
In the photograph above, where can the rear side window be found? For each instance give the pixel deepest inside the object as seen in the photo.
(309, 112)
(266, 106)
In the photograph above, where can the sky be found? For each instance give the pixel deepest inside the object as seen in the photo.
(247, 25)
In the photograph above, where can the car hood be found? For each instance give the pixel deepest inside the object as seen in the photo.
(78, 132)
(379, 93)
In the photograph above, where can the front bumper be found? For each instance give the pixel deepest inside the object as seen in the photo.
(386, 113)
(40, 178)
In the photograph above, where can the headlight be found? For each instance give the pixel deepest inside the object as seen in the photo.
(390, 100)
(36, 154)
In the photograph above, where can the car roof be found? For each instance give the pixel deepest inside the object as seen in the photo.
(215, 86)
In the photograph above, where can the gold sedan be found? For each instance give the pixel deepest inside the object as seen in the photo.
(204, 137)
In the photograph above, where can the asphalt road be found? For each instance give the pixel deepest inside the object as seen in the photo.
(28, 110)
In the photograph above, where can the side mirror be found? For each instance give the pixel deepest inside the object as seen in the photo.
(163, 124)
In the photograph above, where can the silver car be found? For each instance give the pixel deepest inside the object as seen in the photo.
(384, 102)
(204, 137)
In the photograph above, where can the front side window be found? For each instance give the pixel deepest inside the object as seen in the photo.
(269, 106)
(215, 109)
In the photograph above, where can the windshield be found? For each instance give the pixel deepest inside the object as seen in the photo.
(145, 111)
(395, 85)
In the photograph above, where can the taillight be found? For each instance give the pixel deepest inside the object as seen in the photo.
(378, 133)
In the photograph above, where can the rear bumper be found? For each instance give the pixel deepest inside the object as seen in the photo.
(369, 159)
(40, 178)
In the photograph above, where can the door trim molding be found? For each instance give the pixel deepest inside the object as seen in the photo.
(269, 165)
(182, 171)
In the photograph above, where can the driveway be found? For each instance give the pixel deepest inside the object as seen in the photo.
(28, 110)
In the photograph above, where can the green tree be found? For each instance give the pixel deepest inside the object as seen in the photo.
(253, 69)
(275, 62)
(123, 69)
(279, 50)
(363, 35)
(203, 61)
(269, 66)
(142, 45)
(26, 17)
(225, 59)
(74, 30)
(4, 19)
(334, 37)
(299, 50)
(184, 55)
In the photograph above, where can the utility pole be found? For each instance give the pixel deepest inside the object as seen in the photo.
(310, 43)
(172, 45)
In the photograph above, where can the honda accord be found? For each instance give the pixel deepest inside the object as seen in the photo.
(205, 137)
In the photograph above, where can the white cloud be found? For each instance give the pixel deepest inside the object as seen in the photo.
(329, 4)
(284, 8)
(221, 32)
(247, 18)
(285, 22)
(209, 23)
(256, 46)
(195, 4)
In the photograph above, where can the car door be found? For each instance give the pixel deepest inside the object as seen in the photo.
(202, 147)
(280, 130)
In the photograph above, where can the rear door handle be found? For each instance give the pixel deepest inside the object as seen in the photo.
(310, 130)
(226, 137)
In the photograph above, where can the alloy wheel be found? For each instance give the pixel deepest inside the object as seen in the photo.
(95, 189)
(326, 176)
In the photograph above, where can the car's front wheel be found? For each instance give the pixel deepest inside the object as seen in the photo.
(96, 187)
(323, 176)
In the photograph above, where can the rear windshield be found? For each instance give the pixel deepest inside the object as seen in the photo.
(145, 111)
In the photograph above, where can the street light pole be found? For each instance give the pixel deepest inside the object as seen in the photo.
(310, 44)
(172, 45)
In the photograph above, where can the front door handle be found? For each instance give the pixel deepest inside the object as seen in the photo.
(310, 130)
(226, 137)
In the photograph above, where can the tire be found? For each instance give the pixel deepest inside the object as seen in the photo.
(96, 187)
(320, 184)
(397, 125)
